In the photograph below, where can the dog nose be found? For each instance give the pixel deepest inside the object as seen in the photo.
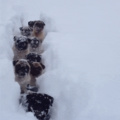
(21, 73)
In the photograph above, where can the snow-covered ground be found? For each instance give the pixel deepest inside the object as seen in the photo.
(82, 57)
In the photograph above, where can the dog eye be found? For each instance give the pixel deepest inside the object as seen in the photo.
(25, 44)
(38, 25)
(26, 69)
(26, 30)
(36, 42)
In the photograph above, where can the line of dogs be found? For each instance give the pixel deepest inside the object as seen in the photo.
(27, 59)
(28, 65)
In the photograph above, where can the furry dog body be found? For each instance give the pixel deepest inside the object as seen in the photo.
(33, 57)
(22, 71)
(20, 47)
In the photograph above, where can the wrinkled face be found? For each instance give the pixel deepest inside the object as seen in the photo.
(36, 69)
(38, 27)
(33, 57)
(22, 68)
(34, 43)
(25, 31)
(21, 43)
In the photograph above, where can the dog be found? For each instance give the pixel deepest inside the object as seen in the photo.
(26, 31)
(20, 47)
(39, 104)
(37, 69)
(31, 23)
(33, 57)
(38, 29)
(22, 71)
(35, 45)
(26, 73)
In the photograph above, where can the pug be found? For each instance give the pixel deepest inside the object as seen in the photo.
(26, 31)
(22, 70)
(33, 57)
(38, 29)
(37, 69)
(20, 47)
(35, 45)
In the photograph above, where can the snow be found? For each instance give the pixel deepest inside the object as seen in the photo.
(81, 54)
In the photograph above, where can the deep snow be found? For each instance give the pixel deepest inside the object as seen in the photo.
(81, 54)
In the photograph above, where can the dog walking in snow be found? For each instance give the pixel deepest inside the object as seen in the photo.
(22, 71)
(37, 29)
(20, 47)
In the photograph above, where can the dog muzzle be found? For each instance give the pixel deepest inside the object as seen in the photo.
(34, 43)
(21, 46)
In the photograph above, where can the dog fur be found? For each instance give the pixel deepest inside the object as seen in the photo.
(20, 53)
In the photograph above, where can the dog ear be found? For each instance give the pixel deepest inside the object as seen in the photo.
(31, 23)
(14, 38)
(43, 66)
(43, 24)
(14, 62)
(21, 28)
(30, 63)
(29, 40)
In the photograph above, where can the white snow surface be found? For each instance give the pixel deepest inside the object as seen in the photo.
(81, 54)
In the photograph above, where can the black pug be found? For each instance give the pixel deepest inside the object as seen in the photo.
(33, 57)
(39, 104)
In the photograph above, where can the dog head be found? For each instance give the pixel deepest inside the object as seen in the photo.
(36, 69)
(34, 43)
(38, 27)
(21, 43)
(33, 57)
(26, 31)
(22, 68)
(31, 23)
